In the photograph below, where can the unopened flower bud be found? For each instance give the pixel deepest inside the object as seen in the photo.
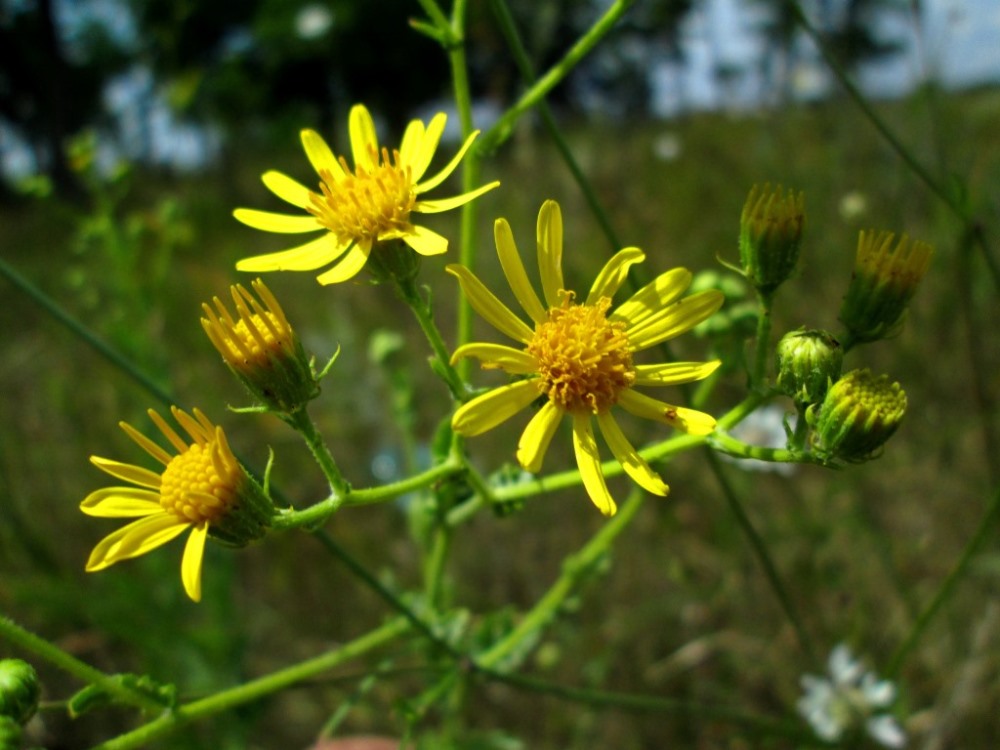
(859, 414)
(19, 690)
(770, 233)
(808, 362)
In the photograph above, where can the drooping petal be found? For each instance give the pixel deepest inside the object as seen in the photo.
(128, 472)
(535, 439)
(135, 539)
(420, 158)
(364, 142)
(446, 204)
(484, 302)
(549, 238)
(307, 257)
(674, 320)
(348, 266)
(661, 291)
(121, 502)
(687, 420)
(513, 269)
(634, 464)
(426, 241)
(443, 175)
(279, 223)
(589, 463)
(506, 358)
(319, 154)
(674, 373)
(614, 273)
(485, 412)
(194, 553)
(289, 190)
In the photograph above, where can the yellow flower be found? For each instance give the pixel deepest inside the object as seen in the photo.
(202, 486)
(357, 209)
(580, 356)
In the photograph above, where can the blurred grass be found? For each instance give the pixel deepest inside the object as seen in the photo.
(684, 611)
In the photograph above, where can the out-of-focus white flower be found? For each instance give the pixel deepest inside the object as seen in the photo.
(763, 427)
(313, 21)
(851, 698)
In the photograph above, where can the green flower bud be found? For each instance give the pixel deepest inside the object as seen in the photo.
(10, 734)
(884, 281)
(859, 414)
(261, 348)
(770, 233)
(19, 690)
(808, 362)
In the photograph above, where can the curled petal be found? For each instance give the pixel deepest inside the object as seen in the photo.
(661, 291)
(634, 464)
(614, 273)
(687, 420)
(135, 539)
(589, 463)
(485, 412)
(364, 142)
(549, 237)
(484, 302)
(194, 553)
(446, 204)
(121, 502)
(128, 472)
(513, 269)
(307, 257)
(508, 359)
(674, 373)
(535, 439)
(675, 319)
(418, 157)
(348, 266)
(443, 175)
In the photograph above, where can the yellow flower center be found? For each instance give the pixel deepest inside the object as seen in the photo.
(200, 484)
(264, 343)
(366, 203)
(583, 358)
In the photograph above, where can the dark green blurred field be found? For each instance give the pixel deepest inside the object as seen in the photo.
(683, 610)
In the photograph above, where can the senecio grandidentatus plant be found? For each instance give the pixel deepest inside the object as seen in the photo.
(585, 356)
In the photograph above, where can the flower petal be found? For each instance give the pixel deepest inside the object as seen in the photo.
(506, 358)
(135, 539)
(364, 142)
(549, 238)
(535, 439)
(446, 204)
(674, 373)
(121, 502)
(485, 412)
(513, 269)
(348, 266)
(661, 291)
(614, 273)
(433, 182)
(671, 321)
(425, 241)
(289, 190)
(409, 147)
(308, 257)
(319, 154)
(128, 472)
(194, 553)
(279, 223)
(589, 463)
(146, 444)
(687, 420)
(492, 310)
(419, 157)
(634, 464)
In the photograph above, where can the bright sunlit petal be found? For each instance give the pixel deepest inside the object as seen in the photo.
(549, 238)
(494, 407)
(614, 273)
(589, 463)
(634, 464)
(513, 269)
(484, 302)
(191, 562)
(537, 436)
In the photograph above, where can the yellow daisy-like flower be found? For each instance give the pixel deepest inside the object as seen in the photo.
(202, 486)
(580, 356)
(356, 209)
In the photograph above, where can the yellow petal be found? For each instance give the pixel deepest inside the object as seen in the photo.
(364, 142)
(673, 320)
(307, 257)
(419, 158)
(484, 302)
(614, 273)
(146, 444)
(320, 155)
(425, 241)
(674, 373)
(446, 204)
(661, 291)
(687, 420)
(194, 553)
(506, 358)
(289, 190)
(280, 223)
(409, 147)
(549, 237)
(589, 463)
(513, 269)
(167, 430)
(121, 502)
(634, 464)
(443, 175)
(535, 439)
(485, 412)
(136, 539)
(348, 266)
(128, 472)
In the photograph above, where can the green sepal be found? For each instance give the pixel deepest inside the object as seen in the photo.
(95, 696)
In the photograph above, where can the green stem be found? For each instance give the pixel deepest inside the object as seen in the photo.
(41, 648)
(304, 425)
(801, 429)
(256, 689)
(738, 449)
(986, 527)
(434, 565)
(422, 311)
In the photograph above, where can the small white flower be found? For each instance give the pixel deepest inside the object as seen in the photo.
(850, 699)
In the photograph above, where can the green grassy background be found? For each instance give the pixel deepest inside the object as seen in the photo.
(683, 611)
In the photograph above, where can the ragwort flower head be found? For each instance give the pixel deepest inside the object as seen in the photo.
(355, 209)
(579, 356)
(203, 488)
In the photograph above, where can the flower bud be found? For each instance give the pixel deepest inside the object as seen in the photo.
(19, 690)
(770, 233)
(808, 362)
(884, 281)
(859, 414)
(261, 348)
(10, 734)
